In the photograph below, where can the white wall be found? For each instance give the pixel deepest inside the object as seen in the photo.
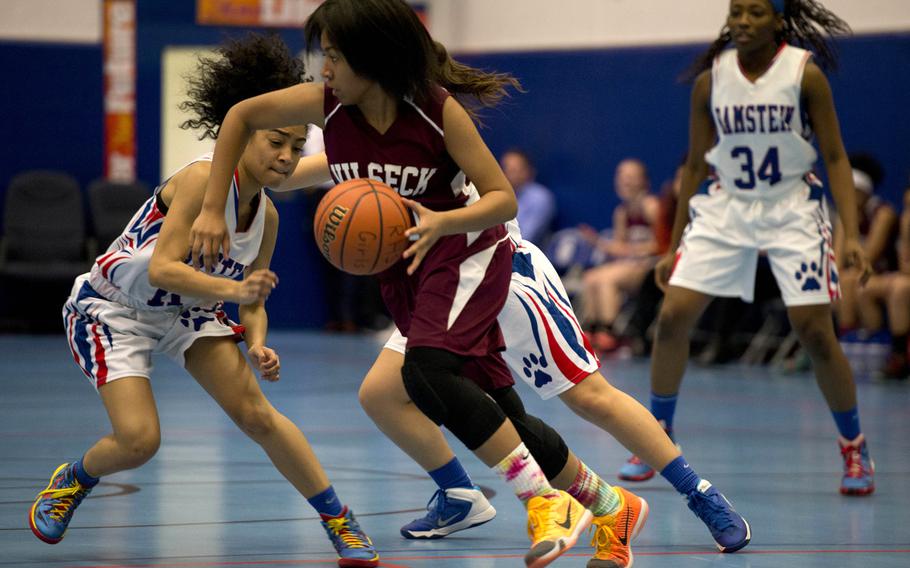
(178, 146)
(64, 21)
(496, 25)
(507, 25)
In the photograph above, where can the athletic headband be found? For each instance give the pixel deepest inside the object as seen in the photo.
(862, 181)
(779, 5)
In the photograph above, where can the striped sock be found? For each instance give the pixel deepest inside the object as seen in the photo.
(520, 470)
(593, 492)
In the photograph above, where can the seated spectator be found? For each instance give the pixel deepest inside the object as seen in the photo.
(878, 232)
(631, 254)
(649, 295)
(891, 291)
(536, 204)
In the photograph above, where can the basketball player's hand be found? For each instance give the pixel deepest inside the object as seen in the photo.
(256, 287)
(425, 235)
(266, 362)
(208, 235)
(855, 259)
(662, 271)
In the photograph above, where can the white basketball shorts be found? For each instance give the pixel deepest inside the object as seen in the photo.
(110, 341)
(719, 250)
(545, 346)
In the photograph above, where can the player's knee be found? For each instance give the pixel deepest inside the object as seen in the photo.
(674, 319)
(255, 418)
(429, 377)
(377, 396)
(545, 444)
(816, 335)
(139, 446)
(432, 380)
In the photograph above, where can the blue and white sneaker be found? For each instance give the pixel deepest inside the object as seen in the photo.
(53, 509)
(859, 469)
(354, 547)
(729, 529)
(450, 511)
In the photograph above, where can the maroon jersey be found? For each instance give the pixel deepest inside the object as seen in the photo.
(452, 300)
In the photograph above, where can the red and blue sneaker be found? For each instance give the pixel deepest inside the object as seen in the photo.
(635, 469)
(354, 547)
(54, 507)
(859, 469)
(451, 510)
(729, 529)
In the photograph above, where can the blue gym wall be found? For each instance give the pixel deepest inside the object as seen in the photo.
(582, 113)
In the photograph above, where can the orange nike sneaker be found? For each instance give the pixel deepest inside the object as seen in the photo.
(613, 533)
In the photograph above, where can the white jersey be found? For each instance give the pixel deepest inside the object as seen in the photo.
(763, 149)
(121, 273)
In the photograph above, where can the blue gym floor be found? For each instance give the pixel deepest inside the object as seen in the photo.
(211, 498)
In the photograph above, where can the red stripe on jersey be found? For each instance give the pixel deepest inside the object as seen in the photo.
(565, 365)
(99, 357)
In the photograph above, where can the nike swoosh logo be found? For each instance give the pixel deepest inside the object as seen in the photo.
(624, 537)
(566, 524)
(526, 456)
(443, 522)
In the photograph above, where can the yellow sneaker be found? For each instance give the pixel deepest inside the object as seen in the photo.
(554, 525)
(613, 534)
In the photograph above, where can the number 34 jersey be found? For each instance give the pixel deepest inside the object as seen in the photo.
(763, 149)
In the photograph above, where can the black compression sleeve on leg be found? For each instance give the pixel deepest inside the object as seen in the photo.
(544, 443)
(432, 380)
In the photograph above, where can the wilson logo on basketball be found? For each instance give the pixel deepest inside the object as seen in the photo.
(330, 228)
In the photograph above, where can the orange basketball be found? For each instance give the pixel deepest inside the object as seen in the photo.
(359, 226)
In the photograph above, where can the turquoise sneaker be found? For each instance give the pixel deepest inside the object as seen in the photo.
(54, 507)
(354, 547)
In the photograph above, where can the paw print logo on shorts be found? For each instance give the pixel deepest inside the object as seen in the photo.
(809, 275)
(533, 367)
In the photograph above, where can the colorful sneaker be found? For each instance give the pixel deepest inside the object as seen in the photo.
(554, 525)
(613, 534)
(54, 507)
(729, 529)
(635, 470)
(353, 546)
(450, 511)
(859, 469)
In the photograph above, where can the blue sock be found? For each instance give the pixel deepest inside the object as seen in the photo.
(82, 477)
(681, 475)
(327, 503)
(451, 475)
(847, 423)
(663, 407)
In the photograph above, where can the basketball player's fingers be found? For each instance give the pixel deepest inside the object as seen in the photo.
(226, 245)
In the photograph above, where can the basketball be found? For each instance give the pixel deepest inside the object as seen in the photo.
(359, 226)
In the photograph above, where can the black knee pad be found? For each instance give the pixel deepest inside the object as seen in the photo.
(545, 444)
(432, 380)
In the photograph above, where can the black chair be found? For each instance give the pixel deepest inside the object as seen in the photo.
(43, 247)
(111, 205)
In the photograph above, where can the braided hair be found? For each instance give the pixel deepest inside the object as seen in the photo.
(806, 23)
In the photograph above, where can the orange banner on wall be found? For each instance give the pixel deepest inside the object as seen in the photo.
(120, 89)
(253, 13)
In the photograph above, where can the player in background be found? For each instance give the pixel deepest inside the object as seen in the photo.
(142, 297)
(404, 124)
(754, 109)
